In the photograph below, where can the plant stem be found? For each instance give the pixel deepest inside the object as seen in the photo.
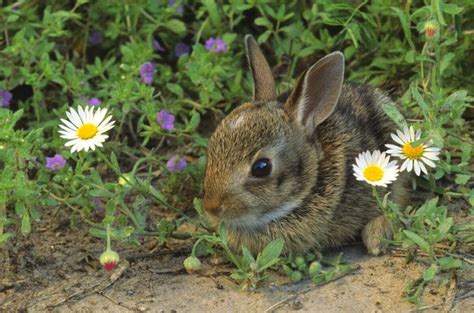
(109, 246)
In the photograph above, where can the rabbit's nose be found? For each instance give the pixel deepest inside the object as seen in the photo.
(212, 206)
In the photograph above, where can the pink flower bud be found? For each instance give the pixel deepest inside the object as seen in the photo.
(109, 260)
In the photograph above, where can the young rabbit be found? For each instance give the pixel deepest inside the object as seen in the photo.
(281, 167)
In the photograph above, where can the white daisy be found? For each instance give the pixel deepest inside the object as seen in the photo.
(376, 168)
(415, 157)
(85, 128)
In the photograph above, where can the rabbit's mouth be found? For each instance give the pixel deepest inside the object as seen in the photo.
(255, 221)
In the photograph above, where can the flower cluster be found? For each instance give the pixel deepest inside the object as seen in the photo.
(216, 45)
(147, 71)
(165, 120)
(55, 163)
(377, 169)
(5, 98)
(181, 49)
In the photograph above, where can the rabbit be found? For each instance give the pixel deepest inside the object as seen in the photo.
(281, 167)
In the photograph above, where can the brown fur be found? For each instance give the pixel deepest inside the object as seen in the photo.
(312, 171)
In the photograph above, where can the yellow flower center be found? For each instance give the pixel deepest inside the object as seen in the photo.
(87, 131)
(373, 173)
(411, 152)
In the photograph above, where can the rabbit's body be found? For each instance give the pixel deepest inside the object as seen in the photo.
(310, 197)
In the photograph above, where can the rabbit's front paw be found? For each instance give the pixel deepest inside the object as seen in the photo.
(377, 229)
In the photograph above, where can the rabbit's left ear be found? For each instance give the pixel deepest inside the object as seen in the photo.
(317, 92)
(264, 84)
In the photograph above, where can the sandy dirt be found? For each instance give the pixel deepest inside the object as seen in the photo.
(55, 269)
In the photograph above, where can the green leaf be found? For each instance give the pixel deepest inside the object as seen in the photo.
(223, 233)
(404, 20)
(176, 89)
(444, 228)
(437, 10)
(422, 243)
(430, 273)
(238, 276)
(269, 255)
(99, 233)
(466, 152)
(5, 237)
(213, 11)
(264, 37)
(446, 61)
(247, 256)
(394, 115)
(176, 26)
(114, 160)
(451, 8)
(262, 21)
(194, 122)
(419, 99)
(449, 262)
(462, 179)
(25, 223)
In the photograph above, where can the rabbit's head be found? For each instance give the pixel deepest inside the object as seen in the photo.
(262, 160)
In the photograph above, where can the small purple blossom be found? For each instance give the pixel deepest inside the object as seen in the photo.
(5, 98)
(176, 163)
(157, 46)
(165, 119)
(147, 71)
(94, 101)
(99, 207)
(181, 49)
(180, 9)
(216, 45)
(56, 162)
(96, 38)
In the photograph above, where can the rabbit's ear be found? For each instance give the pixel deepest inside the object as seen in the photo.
(317, 92)
(264, 84)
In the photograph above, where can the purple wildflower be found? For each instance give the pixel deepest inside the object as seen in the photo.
(94, 101)
(147, 71)
(181, 49)
(96, 38)
(165, 119)
(56, 162)
(5, 97)
(99, 207)
(180, 9)
(176, 163)
(216, 45)
(156, 45)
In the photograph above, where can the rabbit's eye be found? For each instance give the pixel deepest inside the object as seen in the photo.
(261, 168)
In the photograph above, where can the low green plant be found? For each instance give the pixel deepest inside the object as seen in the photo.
(250, 270)
(58, 55)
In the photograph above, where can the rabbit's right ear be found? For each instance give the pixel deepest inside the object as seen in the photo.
(317, 92)
(264, 84)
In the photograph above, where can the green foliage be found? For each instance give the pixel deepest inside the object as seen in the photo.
(250, 270)
(55, 55)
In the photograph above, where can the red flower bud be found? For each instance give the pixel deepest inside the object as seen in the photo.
(109, 260)
(430, 28)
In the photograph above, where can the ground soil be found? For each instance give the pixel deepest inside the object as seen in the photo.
(55, 269)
